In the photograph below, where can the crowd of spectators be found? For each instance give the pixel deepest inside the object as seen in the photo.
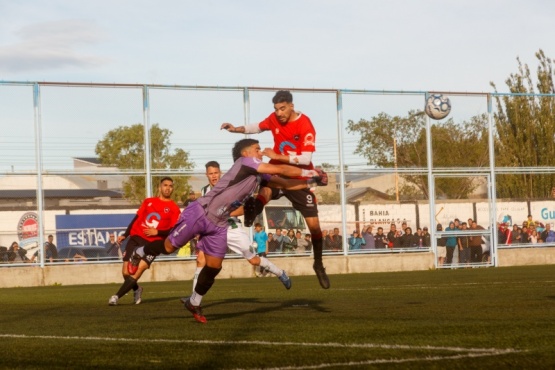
(529, 232)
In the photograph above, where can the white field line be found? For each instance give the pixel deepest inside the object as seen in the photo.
(462, 352)
(384, 361)
(264, 343)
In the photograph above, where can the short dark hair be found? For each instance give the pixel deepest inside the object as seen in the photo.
(212, 164)
(166, 178)
(240, 146)
(282, 96)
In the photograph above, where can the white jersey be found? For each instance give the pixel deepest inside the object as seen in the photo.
(238, 240)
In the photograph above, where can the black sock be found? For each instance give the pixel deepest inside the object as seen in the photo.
(317, 246)
(126, 286)
(206, 279)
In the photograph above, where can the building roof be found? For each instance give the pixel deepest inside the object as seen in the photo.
(60, 193)
(91, 160)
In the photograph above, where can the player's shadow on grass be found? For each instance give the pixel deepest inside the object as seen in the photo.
(236, 307)
(257, 306)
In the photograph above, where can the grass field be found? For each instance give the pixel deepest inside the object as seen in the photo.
(449, 319)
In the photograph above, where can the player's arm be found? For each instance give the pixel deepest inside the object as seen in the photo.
(291, 184)
(303, 159)
(247, 129)
(285, 170)
(128, 230)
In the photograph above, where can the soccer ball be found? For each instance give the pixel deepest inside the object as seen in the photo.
(437, 106)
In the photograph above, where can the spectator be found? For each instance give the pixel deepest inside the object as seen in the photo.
(534, 237)
(393, 237)
(328, 240)
(476, 244)
(279, 238)
(524, 235)
(426, 238)
(368, 238)
(51, 247)
(289, 242)
(504, 234)
(79, 256)
(273, 244)
(380, 239)
(410, 240)
(301, 242)
(261, 239)
(337, 241)
(17, 254)
(112, 247)
(515, 234)
(451, 244)
(441, 247)
(464, 246)
(192, 197)
(356, 241)
(419, 238)
(308, 239)
(548, 235)
(529, 222)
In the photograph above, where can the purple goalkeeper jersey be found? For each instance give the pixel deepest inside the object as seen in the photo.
(231, 191)
(208, 215)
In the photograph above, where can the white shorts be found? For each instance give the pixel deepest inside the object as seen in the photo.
(441, 251)
(239, 241)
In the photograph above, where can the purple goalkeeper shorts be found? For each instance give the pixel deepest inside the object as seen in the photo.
(193, 221)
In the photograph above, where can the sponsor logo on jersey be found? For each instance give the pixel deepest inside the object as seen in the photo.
(309, 140)
(153, 219)
(290, 145)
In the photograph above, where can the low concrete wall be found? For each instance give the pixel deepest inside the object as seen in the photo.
(238, 268)
(183, 270)
(526, 256)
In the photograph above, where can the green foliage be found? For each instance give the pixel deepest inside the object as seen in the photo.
(124, 148)
(526, 131)
(384, 139)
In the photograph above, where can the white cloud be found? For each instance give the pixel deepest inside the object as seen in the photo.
(52, 45)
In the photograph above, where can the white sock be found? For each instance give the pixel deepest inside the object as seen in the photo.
(266, 264)
(195, 278)
(196, 299)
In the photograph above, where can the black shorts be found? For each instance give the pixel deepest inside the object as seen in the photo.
(133, 243)
(302, 200)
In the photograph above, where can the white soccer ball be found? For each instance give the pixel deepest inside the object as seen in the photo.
(437, 106)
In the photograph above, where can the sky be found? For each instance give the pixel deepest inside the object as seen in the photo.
(346, 44)
(394, 45)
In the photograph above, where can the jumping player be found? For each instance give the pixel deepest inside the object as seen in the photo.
(209, 214)
(294, 142)
(237, 238)
(152, 222)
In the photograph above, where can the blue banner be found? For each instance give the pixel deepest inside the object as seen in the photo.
(90, 229)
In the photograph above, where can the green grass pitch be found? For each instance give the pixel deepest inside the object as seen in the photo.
(474, 318)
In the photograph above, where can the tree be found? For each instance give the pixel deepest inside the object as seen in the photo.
(525, 126)
(123, 147)
(454, 145)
